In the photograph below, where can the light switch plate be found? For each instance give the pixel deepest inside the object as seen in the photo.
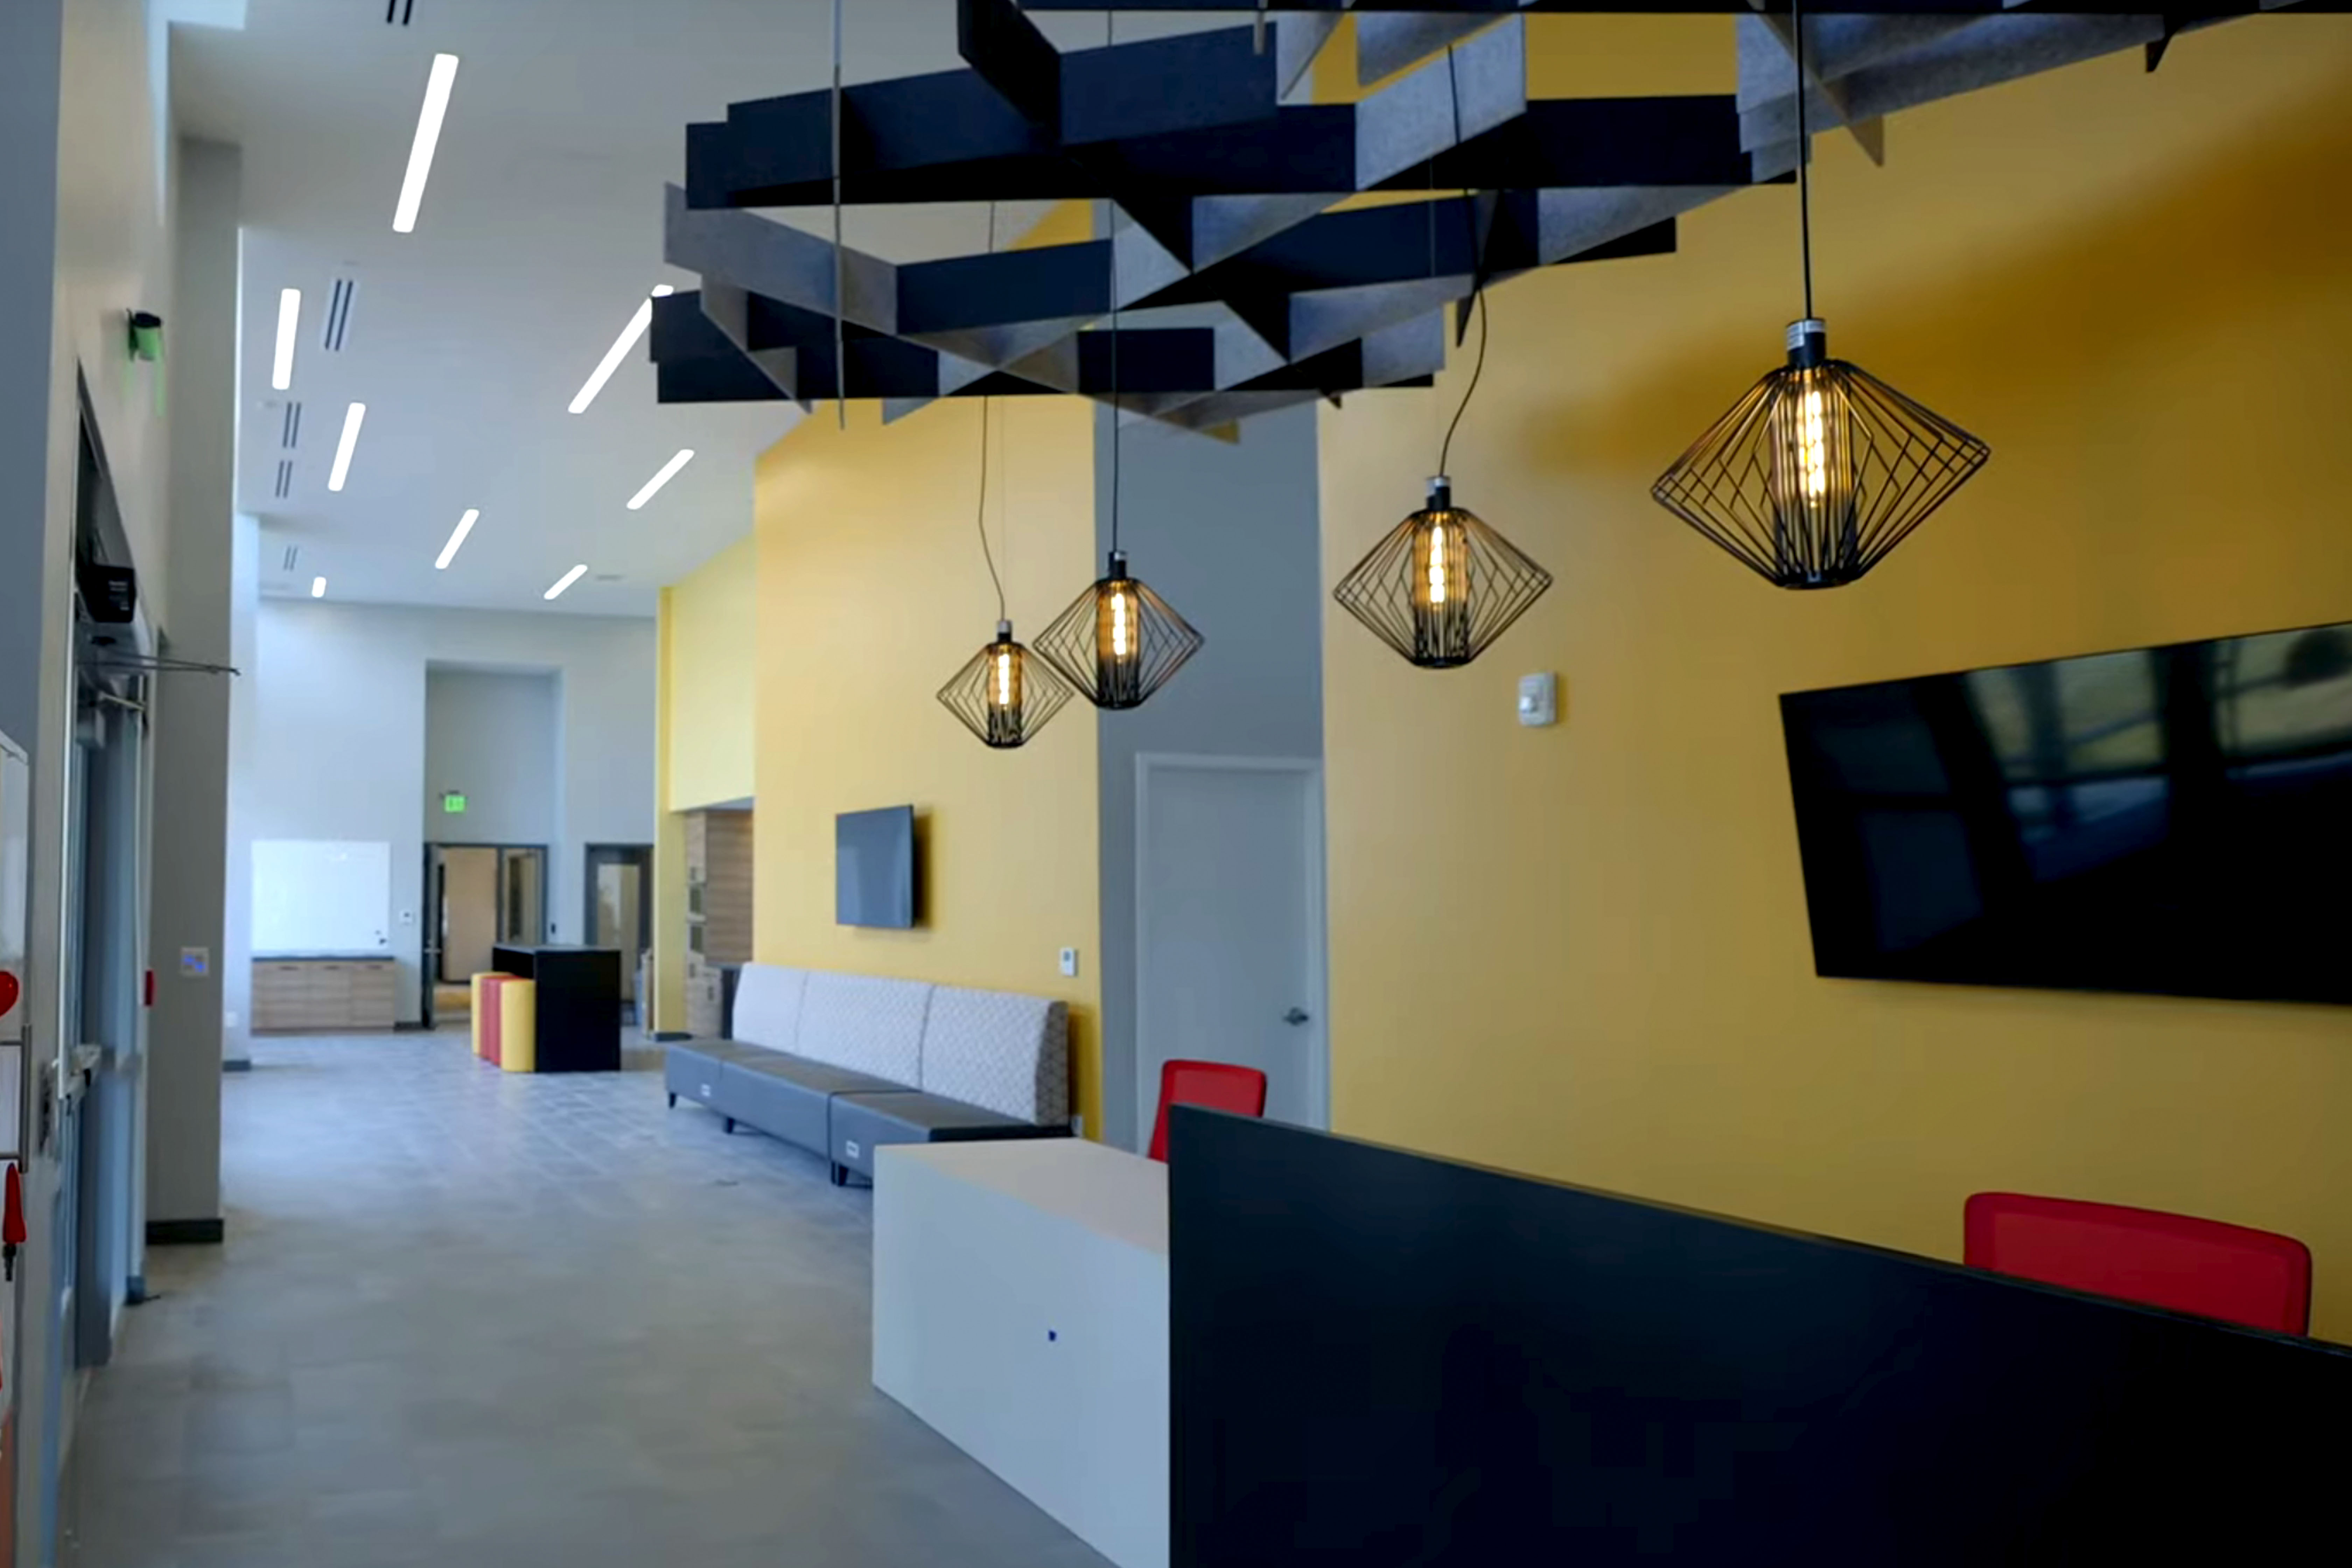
(1070, 961)
(1539, 701)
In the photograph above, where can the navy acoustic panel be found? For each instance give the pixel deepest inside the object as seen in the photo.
(1384, 1360)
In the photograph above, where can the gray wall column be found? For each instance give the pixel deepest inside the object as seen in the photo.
(1228, 533)
(236, 935)
(192, 710)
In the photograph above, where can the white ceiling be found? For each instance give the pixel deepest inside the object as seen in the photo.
(540, 231)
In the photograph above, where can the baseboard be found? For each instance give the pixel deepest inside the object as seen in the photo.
(186, 1232)
(664, 1037)
(237, 1064)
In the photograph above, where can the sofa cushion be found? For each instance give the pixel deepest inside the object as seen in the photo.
(864, 1122)
(768, 1005)
(786, 1097)
(690, 1068)
(864, 1024)
(999, 1050)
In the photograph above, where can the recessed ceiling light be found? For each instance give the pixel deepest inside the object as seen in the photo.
(344, 448)
(458, 539)
(429, 137)
(318, 587)
(289, 322)
(620, 348)
(566, 581)
(652, 486)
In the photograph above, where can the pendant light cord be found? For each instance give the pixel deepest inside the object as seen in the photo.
(840, 265)
(1111, 225)
(1477, 293)
(1804, 159)
(987, 553)
(1477, 369)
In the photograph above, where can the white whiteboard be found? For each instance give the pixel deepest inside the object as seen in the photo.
(316, 895)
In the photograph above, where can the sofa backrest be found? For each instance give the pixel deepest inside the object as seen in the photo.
(864, 1024)
(999, 1051)
(768, 1005)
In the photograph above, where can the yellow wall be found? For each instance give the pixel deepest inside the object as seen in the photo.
(710, 616)
(872, 593)
(702, 739)
(1582, 951)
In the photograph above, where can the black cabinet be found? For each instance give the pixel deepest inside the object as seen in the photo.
(579, 1003)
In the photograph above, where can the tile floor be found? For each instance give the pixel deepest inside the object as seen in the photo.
(480, 1321)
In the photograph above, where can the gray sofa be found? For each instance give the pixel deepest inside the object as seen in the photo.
(842, 1064)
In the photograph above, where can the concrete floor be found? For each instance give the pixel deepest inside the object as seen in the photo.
(482, 1320)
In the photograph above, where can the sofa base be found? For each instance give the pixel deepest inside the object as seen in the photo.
(862, 1124)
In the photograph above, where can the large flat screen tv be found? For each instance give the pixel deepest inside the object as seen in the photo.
(873, 868)
(2175, 820)
(1379, 1360)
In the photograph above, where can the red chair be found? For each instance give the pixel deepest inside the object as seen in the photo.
(1220, 1085)
(2256, 1277)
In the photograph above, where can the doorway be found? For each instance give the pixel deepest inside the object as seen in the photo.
(618, 895)
(477, 896)
(1229, 925)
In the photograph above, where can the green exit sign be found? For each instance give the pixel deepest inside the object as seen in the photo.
(453, 802)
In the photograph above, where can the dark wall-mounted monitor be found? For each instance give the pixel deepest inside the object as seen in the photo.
(2172, 819)
(1386, 1361)
(874, 875)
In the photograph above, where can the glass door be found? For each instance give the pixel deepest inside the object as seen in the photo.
(522, 896)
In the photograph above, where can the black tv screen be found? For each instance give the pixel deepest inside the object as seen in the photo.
(873, 868)
(2175, 820)
(1379, 1360)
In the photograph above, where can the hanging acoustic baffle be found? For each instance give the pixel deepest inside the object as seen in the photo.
(1119, 642)
(1005, 694)
(1820, 471)
(1441, 585)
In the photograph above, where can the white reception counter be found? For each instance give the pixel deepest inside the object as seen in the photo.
(1021, 1308)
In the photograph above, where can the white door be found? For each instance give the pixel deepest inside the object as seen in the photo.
(1229, 925)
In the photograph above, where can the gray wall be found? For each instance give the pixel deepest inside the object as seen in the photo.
(236, 917)
(192, 710)
(493, 738)
(31, 642)
(339, 737)
(1227, 533)
(29, 32)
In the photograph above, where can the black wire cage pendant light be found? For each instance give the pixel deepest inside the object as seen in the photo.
(1117, 642)
(1821, 470)
(1005, 694)
(1443, 585)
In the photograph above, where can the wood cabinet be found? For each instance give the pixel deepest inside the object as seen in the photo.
(324, 995)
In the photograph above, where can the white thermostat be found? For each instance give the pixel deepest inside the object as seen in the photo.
(1539, 701)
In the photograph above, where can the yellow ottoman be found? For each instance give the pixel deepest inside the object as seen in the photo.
(518, 1025)
(484, 1022)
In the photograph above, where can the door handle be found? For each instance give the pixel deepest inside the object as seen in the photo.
(1296, 1016)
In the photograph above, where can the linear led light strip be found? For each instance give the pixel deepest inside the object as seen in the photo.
(652, 486)
(457, 538)
(290, 320)
(620, 348)
(429, 137)
(344, 448)
(566, 581)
